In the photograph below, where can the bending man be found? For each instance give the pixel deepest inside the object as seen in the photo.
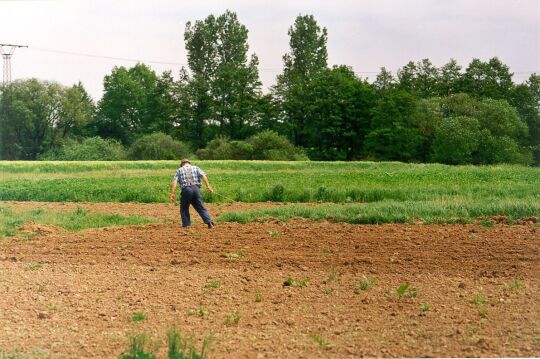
(189, 177)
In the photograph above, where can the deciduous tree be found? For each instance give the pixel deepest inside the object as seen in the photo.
(307, 57)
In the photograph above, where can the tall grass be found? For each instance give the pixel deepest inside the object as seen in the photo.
(260, 181)
(438, 211)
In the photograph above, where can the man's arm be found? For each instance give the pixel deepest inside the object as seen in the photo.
(173, 191)
(207, 184)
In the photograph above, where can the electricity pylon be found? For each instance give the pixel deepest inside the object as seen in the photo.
(7, 50)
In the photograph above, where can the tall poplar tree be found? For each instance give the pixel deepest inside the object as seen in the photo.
(224, 81)
(307, 58)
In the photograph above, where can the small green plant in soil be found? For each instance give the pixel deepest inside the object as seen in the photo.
(138, 317)
(404, 291)
(327, 291)
(483, 312)
(296, 283)
(332, 276)
(424, 307)
(320, 341)
(328, 251)
(213, 284)
(53, 307)
(202, 311)
(233, 318)
(258, 297)
(33, 266)
(365, 284)
(516, 284)
(137, 348)
(235, 255)
(179, 347)
(273, 234)
(478, 299)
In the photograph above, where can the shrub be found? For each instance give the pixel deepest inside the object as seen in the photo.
(158, 146)
(456, 139)
(217, 149)
(89, 149)
(267, 145)
(397, 143)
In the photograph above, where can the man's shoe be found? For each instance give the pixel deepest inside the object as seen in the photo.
(210, 225)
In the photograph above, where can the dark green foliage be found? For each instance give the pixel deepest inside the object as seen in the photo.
(420, 79)
(526, 99)
(397, 143)
(450, 80)
(456, 139)
(307, 57)
(224, 85)
(490, 79)
(163, 105)
(338, 115)
(124, 111)
(36, 115)
(266, 145)
(158, 146)
(223, 149)
(393, 136)
(89, 149)
(385, 81)
(466, 130)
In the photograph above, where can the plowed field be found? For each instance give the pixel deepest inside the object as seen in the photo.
(74, 294)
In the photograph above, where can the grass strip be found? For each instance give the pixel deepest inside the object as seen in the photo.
(11, 221)
(439, 211)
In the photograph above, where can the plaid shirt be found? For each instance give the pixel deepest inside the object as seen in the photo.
(189, 176)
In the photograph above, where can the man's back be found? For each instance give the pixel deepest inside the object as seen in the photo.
(189, 175)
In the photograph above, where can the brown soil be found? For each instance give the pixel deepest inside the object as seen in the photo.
(80, 301)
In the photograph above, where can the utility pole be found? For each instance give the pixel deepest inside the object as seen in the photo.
(7, 50)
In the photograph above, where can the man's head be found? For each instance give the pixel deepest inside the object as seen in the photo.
(184, 161)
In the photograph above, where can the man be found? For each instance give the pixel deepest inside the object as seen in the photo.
(189, 177)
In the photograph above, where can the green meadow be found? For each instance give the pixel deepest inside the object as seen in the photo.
(348, 191)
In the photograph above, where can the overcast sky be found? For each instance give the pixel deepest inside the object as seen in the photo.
(364, 34)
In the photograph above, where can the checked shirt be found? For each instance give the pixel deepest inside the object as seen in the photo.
(189, 176)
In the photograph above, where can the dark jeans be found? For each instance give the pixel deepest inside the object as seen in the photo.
(192, 195)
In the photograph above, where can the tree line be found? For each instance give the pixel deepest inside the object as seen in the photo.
(216, 108)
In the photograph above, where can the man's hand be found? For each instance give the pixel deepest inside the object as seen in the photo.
(207, 184)
(172, 197)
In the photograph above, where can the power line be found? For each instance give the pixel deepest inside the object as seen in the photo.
(73, 53)
(130, 59)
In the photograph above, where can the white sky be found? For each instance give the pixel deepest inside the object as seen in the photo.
(364, 34)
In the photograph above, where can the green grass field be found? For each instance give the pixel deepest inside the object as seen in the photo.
(11, 220)
(428, 212)
(396, 191)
